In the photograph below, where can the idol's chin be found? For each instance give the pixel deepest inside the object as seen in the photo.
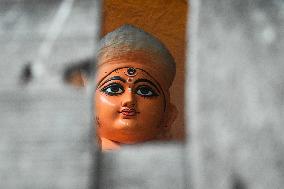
(130, 137)
(131, 124)
(128, 131)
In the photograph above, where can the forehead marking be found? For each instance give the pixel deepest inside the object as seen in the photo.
(131, 72)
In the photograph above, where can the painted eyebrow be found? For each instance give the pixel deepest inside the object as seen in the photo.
(148, 81)
(110, 79)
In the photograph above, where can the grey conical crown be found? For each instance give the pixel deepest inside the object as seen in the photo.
(129, 38)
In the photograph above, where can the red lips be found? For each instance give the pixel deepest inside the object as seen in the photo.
(128, 112)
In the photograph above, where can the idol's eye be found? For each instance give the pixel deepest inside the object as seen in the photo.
(146, 91)
(113, 89)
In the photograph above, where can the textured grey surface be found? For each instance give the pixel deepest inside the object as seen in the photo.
(45, 139)
(46, 125)
(25, 27)
(236, 94)
(145, 166)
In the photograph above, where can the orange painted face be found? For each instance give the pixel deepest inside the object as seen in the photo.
(130, 106)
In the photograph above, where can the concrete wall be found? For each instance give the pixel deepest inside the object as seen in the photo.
(45, 124)
(235, 94)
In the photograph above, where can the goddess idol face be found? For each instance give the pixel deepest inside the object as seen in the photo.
(130, 106)
(132, 101)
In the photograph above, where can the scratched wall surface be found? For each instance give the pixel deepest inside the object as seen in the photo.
(45, 124)
(165, 19)
(235, 98)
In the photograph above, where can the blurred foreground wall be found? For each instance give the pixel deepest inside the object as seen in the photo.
(234, 101)
(45, 124)
(235, 95)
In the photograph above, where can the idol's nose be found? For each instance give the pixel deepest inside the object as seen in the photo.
(128, 99)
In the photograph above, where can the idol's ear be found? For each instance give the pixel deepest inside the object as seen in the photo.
(172, 115)
(165, 134)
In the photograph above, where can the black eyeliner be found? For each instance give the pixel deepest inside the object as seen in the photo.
(110, 85)
(112, 78)
(147, 81)
(150, 89)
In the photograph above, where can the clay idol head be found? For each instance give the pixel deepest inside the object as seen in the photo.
(132, 101)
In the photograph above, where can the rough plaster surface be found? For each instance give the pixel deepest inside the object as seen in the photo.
(145, 166)
(24, 29)
(45, 125)
(45, 139)
(235, 95)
